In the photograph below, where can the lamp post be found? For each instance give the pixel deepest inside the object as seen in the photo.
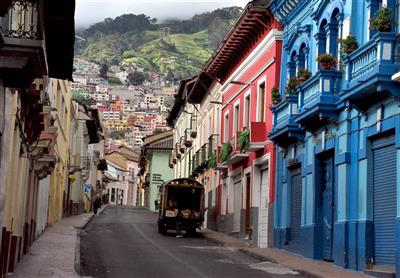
(242, 83)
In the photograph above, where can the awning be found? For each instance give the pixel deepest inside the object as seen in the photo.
(60, 37)
(253, 22)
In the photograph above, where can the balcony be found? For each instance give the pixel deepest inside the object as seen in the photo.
(182, 145)
(318, 97)
(188, 141)
(212, 144)
(237, 154)
(22, 55)
(178, 154)
(258, 136)
(204, 152)
(193, 126)
(221, 166)
(285, 130)
(369, 70)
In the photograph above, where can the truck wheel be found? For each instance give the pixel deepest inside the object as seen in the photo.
(191, 232)
(161, 229)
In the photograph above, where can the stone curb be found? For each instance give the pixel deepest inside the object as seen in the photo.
(272, 260)
(254, 254)
(77, 262)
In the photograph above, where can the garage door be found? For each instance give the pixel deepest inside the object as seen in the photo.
(295, 207)
(384, 190)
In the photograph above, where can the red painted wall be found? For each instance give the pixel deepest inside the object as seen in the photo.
(271, 74)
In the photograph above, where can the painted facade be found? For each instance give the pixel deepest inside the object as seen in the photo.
(231, 96)
(196, 131)
(337, 133)
(155, 156)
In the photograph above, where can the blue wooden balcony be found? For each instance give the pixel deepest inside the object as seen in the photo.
(318, 97)
(368, 72)
(285, 131)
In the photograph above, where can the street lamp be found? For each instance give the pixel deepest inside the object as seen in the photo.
(236, 82)
(220, 102)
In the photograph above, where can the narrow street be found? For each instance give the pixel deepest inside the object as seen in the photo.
(123, 242)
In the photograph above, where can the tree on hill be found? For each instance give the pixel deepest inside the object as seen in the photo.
(103, 71)
(136, 78)
(122, 24)
(170, 76)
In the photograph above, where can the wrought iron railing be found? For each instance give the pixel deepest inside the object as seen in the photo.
(22, 20)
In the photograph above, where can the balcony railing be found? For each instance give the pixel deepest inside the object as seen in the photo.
(193, 126)
(22, 20)
(23, 53)
(318, 97)
(369, 69)
(285, 130)
(221, 166)
(212, 144)
(204, 154)
(237, 155)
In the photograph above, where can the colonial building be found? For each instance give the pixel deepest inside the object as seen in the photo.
(337, 130)
(32, 36)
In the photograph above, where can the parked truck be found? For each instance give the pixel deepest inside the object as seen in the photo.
(181, 203)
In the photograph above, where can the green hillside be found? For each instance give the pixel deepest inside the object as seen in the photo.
(178, 46)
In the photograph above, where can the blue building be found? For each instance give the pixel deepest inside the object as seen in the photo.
(338, 136)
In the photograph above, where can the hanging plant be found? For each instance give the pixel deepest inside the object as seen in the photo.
(303, 75)
(226, 150)
(244, 140)
(290, 88)
(275, 96)
(212, 161)
(382, 21)
(349, 44)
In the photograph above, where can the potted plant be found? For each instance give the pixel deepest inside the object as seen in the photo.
(349, 44)
(382, 21)
(275, 96)
(244, 140)
(291, 85)
(303, 75)
(212, 161)
(226, 150)
(326, 61)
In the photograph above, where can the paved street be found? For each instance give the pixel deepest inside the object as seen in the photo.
(123, 242)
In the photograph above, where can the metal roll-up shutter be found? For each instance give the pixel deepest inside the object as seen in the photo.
(384, 190)
(295, 207)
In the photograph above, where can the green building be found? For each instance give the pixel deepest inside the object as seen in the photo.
(156, 151)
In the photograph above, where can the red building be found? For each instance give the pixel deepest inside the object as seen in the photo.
(247, 64)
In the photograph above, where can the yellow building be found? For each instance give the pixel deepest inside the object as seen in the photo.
(60, 98)
(118, 125)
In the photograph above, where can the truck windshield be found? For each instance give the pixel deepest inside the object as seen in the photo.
(184, 197)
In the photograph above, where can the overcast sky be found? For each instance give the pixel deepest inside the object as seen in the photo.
(92, 11)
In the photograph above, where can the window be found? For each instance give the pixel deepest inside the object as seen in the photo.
(261, 102)
(246, 120)
(226, 127)
(236, 122)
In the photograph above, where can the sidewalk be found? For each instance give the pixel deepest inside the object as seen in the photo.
(308, 267)
(53, 253)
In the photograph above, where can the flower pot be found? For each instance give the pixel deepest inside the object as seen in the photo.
(326, 65)
(301, 79)
(275, 101)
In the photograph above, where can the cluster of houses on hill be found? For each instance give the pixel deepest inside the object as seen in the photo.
(293, 128)
(128, 113)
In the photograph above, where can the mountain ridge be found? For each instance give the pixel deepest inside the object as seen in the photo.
(180, 47)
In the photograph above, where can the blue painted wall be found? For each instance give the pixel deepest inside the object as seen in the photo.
(361, 113)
